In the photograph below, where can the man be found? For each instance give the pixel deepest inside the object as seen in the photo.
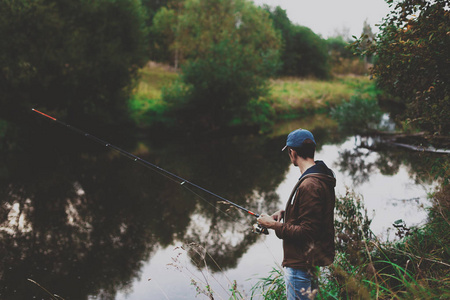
(308, 230)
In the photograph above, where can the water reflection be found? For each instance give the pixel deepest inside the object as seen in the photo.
(82, 220)
(370, 155)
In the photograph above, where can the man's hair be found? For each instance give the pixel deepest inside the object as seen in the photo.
(306, 150)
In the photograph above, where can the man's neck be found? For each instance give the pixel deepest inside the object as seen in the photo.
(305, 164)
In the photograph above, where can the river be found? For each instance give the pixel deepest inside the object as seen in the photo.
(85, 222)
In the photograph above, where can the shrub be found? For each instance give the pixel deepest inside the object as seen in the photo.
(361, 114)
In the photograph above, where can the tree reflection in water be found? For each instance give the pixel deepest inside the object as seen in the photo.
(361, 162)
(81, 223)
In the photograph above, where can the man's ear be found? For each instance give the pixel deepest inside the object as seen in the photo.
(293, 153)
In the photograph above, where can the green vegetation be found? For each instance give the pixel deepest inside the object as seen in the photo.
(342, 59)
(412, 61)
(146, 106)
(83, 61)
(294, 96)
(304, 53)
(228, 49)
(361, 114)
(271, 287)
(414, 267)
(288, 97)
(76, 58)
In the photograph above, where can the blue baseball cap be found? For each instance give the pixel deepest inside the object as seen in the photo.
(297, 137)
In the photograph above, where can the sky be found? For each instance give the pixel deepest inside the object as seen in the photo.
(331, 17)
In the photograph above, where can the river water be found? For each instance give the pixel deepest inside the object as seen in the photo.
(85, 222)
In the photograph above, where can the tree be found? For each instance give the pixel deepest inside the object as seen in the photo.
(304, 53)
(152, 7)
(368, 39)
(227, 49)
(342, 58)
(412, 61)
(164, 27)
(76, 58)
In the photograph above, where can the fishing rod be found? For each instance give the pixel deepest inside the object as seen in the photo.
(256, 228)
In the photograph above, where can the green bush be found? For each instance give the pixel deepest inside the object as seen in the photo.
(361, 114)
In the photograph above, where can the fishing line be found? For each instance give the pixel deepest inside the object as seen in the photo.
(212, 205)
(169, 175)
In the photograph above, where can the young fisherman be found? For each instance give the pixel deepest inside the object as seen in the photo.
(308, 230)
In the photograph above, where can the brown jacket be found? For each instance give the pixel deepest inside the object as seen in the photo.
(308, 228)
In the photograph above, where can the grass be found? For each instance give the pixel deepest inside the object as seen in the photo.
(289, 96)
(153, 78)
(294, 96)
(146, 105)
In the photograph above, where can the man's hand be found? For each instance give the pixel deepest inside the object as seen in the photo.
(278, 215)
(269, 221)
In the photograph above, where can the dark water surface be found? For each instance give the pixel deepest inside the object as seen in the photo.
(85, 222)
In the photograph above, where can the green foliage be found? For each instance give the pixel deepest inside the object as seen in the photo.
(147, 112)
(412, 61)
(414, 267)
(271, 287)
(304, 53)
(339, 46)
(308, 54)
(342, 59)
(259, 111)
(361, 114)
(294, 96)
(157, 43)
(289, 97)
(145, 105)
(152, 7)
(163, 31)
(352, 224)
(227, 50)
(440, 169)
(78, 58)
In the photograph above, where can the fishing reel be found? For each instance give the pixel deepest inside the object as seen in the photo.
(259, 229)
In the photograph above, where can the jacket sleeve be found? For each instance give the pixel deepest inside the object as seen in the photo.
(303, 222)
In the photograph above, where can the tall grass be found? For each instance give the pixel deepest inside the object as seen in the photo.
(271, 287)
(413, 267)
(293, 96)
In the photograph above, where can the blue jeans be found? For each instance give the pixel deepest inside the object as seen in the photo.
(300, 284)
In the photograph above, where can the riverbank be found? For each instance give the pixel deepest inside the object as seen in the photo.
(293, 96)
(289, 97)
